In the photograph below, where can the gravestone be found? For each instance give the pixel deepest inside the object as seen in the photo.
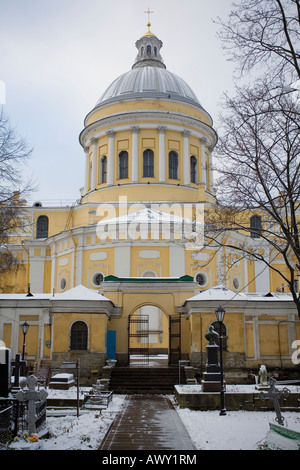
(62, 381)
(212, 376)
(31, 395)
(262, 379)
(17, 364)
(5, 371)
(274, 394)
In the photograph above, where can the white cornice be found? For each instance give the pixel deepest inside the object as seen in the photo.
(173, 121)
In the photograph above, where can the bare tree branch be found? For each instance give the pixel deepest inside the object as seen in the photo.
(14, 153)
(264, 32)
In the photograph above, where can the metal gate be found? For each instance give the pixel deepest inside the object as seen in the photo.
(174, 339)
(138, 339)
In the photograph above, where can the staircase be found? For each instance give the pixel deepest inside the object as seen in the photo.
(145, 380)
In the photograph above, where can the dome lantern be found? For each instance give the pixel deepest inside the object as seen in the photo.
(149, 52)
(149, 49)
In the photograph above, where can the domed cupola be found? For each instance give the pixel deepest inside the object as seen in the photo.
(147, 135)
(149, 51)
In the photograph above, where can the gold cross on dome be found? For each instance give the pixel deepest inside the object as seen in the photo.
(149, 13)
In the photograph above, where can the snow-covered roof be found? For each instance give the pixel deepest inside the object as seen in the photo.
(219, 292)
(223, 293)
(79, 293)
(76, 293)
(146, 216)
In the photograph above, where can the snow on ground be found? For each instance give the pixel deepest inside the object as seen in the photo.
(237, 430)
(71, 432)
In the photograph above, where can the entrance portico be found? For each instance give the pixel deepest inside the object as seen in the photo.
(146, 297)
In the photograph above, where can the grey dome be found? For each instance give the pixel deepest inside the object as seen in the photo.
(148, 78)
(148, 82)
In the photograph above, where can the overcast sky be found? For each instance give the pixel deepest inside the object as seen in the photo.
(57, 58)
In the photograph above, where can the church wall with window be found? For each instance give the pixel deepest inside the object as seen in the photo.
(150, 146)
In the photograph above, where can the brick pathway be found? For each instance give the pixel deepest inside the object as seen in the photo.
(147, 422)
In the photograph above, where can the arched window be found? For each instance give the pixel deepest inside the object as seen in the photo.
(216, 326)
(42, 227)
(173, 165)
(148, 163)
(255, 226)
(123, 165)
(79, 336)
(193, 169)
(103, 169)
(149, 50)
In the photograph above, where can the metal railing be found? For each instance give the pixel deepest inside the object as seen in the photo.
(13, 418)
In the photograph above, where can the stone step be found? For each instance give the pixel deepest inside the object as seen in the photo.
(131, 380)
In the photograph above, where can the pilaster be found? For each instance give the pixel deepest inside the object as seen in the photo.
(162, 159)
(135, 164)
(203, 143)
(111, 157)
(186, 158)
(94, 143)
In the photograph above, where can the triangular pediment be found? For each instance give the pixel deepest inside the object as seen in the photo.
(80, 293)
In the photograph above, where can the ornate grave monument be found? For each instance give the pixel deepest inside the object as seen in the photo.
(31, 395)
(212, 376)
(274, 394)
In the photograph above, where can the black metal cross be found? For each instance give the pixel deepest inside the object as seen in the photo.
(18, 363)
(274, 394)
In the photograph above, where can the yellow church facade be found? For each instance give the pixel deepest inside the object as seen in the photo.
(118, 273)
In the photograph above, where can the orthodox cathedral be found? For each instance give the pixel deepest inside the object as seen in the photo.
(117, 275)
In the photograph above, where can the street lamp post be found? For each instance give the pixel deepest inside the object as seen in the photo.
(25, 327)
(220, 313)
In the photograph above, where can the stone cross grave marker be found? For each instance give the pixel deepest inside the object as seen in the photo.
(31, 395)
(18, 364)
(274, 394)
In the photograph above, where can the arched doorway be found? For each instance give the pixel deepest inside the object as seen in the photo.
(148, 339)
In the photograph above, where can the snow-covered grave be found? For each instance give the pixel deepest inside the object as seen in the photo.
(62, 381)
(237, 430)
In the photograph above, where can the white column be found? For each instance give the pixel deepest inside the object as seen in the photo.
(161, 149)
(186, 158)
(79, 260)
(211, 173)
(53, 267)
(203, 143)
(122, 261)
(111, 157)
(37, 266)
(87, 169)
(245, 263)
(262, 276)
(94, 143)
(134, 161)
(177, 261)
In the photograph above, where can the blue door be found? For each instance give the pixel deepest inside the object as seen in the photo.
(111, 344)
